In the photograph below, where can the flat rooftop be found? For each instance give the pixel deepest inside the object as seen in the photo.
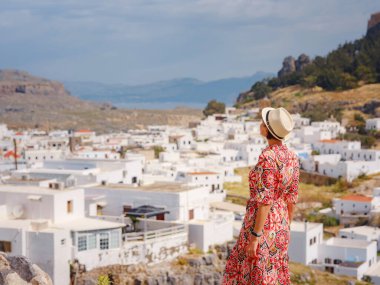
(77, 225)
(350, 243)
(173, 187)
(27, 189)
(362, 230)
(228, 206)
(87, 224)
(300, 226)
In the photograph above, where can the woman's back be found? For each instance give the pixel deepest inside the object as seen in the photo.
(273, 181)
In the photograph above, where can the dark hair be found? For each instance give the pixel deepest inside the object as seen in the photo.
(269, 135)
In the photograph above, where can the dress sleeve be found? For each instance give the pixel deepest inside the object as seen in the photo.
(291, 193)
(262, 183)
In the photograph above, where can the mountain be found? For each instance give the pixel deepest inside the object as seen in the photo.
(27, 101)
(183, 91)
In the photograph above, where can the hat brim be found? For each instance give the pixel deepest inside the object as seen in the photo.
(264, 115)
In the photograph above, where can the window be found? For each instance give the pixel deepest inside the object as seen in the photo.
(114, 242)
(63, 241)
(5, 246)
(70, 206)
(104, 241)
(327, 260)
(91, 241)
(82, 243)
(314, 239)
(311, 241)
(191, 214)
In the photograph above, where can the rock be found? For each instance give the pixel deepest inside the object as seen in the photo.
(198, 279)
(4, 263)
(41, 278)
(22, 266)
(3, 274)
(302, 61)
(288, 66)
(90, 282)
(305, 277)
(195, 262)
(14, 279)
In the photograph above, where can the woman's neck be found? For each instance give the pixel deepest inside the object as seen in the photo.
(273, 142)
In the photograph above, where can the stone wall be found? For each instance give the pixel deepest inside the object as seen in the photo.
(316, 179)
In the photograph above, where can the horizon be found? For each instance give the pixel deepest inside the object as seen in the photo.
(144, 42)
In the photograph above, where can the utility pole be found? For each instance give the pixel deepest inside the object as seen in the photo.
(15, 151)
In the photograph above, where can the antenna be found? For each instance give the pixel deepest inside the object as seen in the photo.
(15, 151)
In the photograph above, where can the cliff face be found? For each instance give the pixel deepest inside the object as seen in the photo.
(20, 82)
(373, 21)
(290, 65)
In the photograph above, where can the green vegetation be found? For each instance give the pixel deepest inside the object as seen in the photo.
(195, 250)
(214, 107)
(347, 67)
(325, 220)
(157, 150)
(103, 280)
(367, 141)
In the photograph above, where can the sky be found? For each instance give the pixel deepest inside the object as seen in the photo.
(142, 41)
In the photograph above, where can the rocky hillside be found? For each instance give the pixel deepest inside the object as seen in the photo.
(27, 101)
(206, 269)
(318, 104)
(18, 270)
(349, 67)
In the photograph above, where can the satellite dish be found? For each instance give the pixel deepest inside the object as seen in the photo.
(18, 211)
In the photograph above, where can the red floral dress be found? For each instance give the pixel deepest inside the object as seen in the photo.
(274, 180)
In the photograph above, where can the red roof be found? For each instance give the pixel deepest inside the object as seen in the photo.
(10, 153)
(202, 173)
(84, 131)
(356, 198)
(330, 141)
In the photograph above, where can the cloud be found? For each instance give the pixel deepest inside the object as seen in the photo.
(134, 41)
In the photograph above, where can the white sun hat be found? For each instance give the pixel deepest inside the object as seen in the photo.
(278, 121)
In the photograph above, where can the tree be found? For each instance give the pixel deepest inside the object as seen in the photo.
(214, 107)
(260, 90)
(157, 150)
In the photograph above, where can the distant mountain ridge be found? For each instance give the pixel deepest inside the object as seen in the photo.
(181, 91)
(27, 101)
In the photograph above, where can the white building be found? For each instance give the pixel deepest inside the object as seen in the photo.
(355, 204)
(362, 233)
(373, 124)
(346, 256)
(305, 237)
(41, 225)
(330, 126)
(181, 203)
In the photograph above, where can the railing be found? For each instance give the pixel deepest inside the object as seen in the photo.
(149, 235)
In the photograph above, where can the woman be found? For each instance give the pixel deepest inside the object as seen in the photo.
(260, 255)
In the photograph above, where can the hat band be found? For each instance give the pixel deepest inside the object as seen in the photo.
(270, 128)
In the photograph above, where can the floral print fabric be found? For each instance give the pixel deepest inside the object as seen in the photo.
(273, 181)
